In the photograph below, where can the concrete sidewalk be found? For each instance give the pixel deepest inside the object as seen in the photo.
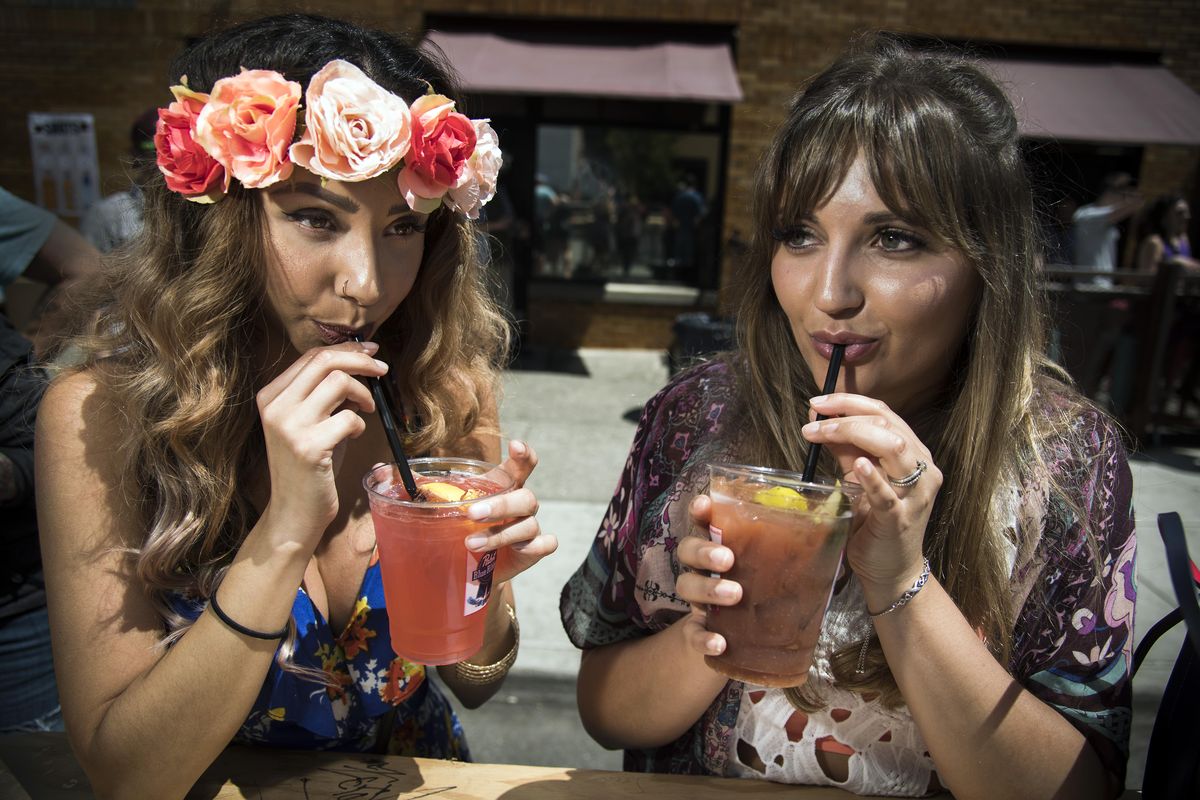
(579, 411)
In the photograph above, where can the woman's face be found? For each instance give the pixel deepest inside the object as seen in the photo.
(342, 257)
(1178, 218)
(854, 273)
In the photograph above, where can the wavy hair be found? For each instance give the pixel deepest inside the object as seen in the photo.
(939, 138)
(170, 327)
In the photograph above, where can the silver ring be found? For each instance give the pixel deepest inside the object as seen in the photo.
(910, 478)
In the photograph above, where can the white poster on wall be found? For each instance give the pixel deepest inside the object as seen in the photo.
(66, 172)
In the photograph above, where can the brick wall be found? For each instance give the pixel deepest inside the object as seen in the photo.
(112, 62)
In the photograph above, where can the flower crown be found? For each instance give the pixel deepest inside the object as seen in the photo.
(353, 130)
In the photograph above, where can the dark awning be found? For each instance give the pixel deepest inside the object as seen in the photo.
(662, 71)
(1112, 103)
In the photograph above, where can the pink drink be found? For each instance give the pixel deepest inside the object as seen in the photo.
(787, 538)
(436, 590)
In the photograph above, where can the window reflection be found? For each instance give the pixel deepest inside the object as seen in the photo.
(625, 204)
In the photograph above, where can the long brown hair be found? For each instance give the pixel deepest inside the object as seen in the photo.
(170, 328)
(940, 140)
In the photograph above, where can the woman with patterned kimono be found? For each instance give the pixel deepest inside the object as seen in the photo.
(210, 558)
(979, 635)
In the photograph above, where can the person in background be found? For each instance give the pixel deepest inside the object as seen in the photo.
(978, 640)
(116, 218)
(1165, 238)
(210, 558)
(550, 236)
(1094, 229)
(34, 243)
(1165, 241)
(687, 210)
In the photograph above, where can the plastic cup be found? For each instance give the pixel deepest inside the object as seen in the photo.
(436, 589)
(787, 537)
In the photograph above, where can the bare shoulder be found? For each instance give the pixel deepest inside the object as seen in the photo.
(76, 406)
(78, 453)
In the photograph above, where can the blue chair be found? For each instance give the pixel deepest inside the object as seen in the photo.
(1173, 755)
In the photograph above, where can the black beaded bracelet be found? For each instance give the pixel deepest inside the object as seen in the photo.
(242, 629)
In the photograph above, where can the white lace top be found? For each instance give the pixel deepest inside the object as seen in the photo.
(887, 756)
(774, 740)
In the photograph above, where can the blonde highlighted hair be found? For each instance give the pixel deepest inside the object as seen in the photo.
(170, 328)
(940, 140)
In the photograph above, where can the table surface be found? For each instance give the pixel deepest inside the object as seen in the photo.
(42, 766)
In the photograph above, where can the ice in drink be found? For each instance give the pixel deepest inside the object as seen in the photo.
(436, 589)
(787, 538)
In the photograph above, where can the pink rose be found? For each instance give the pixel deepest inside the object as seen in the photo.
(248, 124)
(354, 128)
(187, 166)
(442, 141)
(477, 184)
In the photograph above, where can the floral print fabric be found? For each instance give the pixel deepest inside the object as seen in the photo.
(369, 701)
(1073, 636)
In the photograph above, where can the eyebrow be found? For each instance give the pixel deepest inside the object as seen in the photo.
(344, 203)
(881, 217)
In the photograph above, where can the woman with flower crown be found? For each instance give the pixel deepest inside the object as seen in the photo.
(208, 550)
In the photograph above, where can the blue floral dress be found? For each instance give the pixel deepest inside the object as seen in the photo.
(370, 701)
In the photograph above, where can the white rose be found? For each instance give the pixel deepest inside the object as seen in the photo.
(477, 184)
(354, 128)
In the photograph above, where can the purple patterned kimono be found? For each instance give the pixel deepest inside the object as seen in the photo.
(1073, 637)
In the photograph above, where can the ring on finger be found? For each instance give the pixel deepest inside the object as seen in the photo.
(911, 478)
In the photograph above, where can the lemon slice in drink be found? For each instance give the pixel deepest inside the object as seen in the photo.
(781, 497)
(830, 506)
(442, 492)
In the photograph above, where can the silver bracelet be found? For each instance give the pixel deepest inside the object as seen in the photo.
(909, 594)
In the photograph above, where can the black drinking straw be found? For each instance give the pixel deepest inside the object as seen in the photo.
(831, 376)
(388, 418)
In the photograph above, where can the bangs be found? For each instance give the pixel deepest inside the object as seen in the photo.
(913, 152)
(812, 164)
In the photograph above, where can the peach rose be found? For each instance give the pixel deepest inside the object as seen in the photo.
(442, 141)
(187, 167)
(477, 184)
(354, 128)
(248, 125)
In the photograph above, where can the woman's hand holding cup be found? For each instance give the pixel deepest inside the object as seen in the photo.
(702, 585)
(520, 537)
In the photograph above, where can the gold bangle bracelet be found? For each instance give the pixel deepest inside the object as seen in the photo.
(478, 675)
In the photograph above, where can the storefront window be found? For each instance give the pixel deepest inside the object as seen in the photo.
(625, 204)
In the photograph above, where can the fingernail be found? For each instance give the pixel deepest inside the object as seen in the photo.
(722, 557)
(369, 347)
(864, 466)
(476, 542)
(726, 591)
(480, 511)
(821, 398)
(811, 427)
(714, 646)
(381, 364)
(516, 448)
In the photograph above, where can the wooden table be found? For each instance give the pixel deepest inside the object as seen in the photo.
(41, 766)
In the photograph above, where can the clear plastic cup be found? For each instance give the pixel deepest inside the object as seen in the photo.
(787, 537)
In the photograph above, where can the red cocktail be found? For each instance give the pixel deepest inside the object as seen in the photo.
(436, 589)
(787, 538)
